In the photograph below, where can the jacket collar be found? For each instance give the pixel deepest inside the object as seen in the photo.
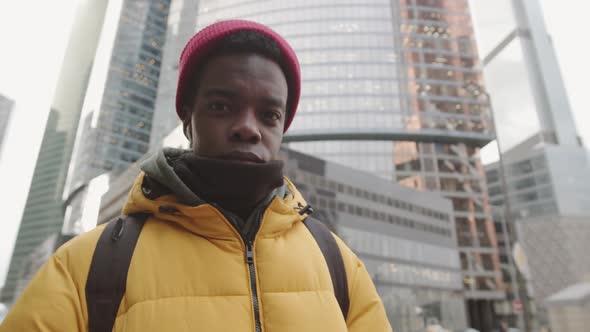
(203, 219)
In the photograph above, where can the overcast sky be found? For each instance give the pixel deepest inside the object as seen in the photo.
(33, 42)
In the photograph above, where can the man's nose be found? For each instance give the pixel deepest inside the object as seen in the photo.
(246, 127)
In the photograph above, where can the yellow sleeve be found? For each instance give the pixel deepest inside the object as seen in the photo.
(366, 311)
(49, 303)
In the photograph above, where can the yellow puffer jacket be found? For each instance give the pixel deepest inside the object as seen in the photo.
(189, 273)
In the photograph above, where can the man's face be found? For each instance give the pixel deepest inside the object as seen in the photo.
(239, 110)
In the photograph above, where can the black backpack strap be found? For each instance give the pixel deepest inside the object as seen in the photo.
(331, 252)
(107, 276)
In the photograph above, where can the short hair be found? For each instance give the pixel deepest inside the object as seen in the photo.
(239, 42)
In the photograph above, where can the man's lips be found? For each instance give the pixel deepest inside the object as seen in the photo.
(242, 156)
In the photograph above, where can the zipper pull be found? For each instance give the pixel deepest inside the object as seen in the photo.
(249, 253)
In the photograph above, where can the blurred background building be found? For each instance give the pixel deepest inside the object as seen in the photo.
(100, 119)
(43, 212)
(542, 180)
(181, 25)
(6, 106)
(115, 125)
(568, 308)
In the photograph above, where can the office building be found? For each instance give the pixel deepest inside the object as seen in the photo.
(405, 238)
(543, 178)
(548, 89)
(115, 125)
(6, 106)
(545, 167)
(43, 212)
(548, 189)
(182, 21)
(556, 248)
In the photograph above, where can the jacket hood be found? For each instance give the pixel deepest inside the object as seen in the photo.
(181, 206)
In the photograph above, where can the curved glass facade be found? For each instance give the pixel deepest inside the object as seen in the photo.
(350, 70)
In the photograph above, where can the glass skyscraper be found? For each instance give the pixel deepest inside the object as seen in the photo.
(394, 87)
(115, 125)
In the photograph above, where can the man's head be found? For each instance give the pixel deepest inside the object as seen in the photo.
(238, 90)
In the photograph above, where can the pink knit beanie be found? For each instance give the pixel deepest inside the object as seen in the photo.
(205, 41)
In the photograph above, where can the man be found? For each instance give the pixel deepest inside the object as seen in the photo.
(224, 247)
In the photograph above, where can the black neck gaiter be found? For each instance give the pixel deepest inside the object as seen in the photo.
(235, 186)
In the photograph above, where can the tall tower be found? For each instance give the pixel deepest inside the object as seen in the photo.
(115, 125)
(551, 99)
(181, 27)
(393, 87)
(43, 212)
(541, 184)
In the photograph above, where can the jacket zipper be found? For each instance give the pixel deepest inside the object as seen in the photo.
(248, 240)
(255, 303)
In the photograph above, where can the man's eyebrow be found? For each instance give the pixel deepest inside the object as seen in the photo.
(229, 93)
(210, 92)
(272, 101)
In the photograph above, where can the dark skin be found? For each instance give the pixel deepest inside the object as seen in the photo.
(239, 109)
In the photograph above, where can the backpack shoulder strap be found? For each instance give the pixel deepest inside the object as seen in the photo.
(107, 277)
(331, 252)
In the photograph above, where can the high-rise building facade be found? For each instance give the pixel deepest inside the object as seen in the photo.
(100, 119)
(6, 106)
(543, 179)
(394, 88)
(115, 125)
(43, 212)
(548, 193)
(541, 182)
(181, 27)
(551, 99)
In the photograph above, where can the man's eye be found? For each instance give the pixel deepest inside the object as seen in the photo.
(218, 107)
(273, 115)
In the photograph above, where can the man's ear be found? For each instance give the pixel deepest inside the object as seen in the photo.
(186, 122)
(186, 128)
